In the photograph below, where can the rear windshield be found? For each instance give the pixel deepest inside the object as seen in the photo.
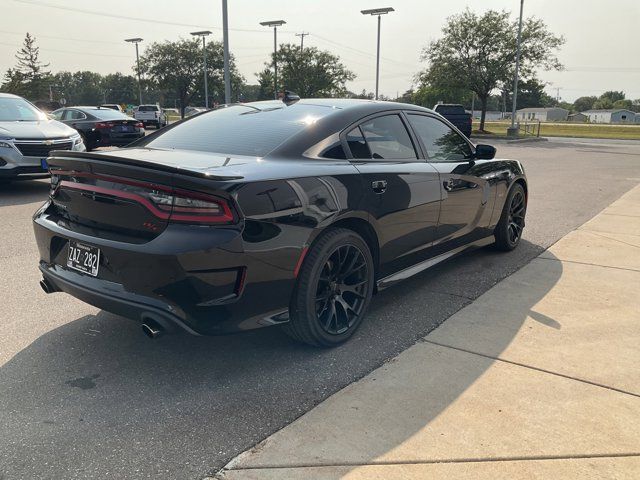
(148, 108)
(106, 113)
(18, 110)
(239, 129)
(450, 109)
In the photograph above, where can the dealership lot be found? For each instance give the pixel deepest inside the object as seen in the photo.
(84, 394)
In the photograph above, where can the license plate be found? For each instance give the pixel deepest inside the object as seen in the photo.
(124, 128)
(83, 258)
(44, 164)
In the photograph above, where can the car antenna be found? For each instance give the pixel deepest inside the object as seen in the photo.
(289, 97)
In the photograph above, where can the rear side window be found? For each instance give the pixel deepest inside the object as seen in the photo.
(357, 144)
(388, 138)
(441, 142)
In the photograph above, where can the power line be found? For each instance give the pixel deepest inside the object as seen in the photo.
(46, 49)
(302, 35)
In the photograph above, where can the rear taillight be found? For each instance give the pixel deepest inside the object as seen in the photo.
(166, 203)
(101, 125)
(192, 207)
(139, 125)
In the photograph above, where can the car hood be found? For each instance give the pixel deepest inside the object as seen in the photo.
(36, 130)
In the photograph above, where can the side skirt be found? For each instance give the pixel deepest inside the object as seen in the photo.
(419, 267)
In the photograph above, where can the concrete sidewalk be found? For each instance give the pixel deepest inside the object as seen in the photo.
(538, 378)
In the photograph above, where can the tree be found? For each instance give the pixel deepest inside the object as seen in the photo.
(119, 88)
(623, 104)
(309, 73)
(35, 77)
(177, 67)
(583, 104)
(613, 96)
(14, 82)
(477, 53)
(531, 94)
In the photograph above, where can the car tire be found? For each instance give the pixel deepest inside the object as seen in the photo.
(508, 231)
(333, 289)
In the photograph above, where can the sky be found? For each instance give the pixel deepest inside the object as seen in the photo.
(600, 53)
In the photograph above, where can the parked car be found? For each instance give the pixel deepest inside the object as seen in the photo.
(101, 127)
(190, 111)
(150, 115)
(27, 137)
(266, 214)
(113, 106)
(457, 115)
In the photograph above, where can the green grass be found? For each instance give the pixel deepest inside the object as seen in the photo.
(579, 130)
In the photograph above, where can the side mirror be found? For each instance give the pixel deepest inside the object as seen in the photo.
(485, 152)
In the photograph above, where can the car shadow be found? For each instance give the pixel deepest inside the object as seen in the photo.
(22, 192)
(94, 395)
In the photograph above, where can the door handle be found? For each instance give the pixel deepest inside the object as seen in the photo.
(379, 186)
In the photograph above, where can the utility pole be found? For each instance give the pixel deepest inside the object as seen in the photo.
(513, 131)
(275, 24)
(203, 34)
(377, 12)
(225, 41)
(137, 41)
(302, 35)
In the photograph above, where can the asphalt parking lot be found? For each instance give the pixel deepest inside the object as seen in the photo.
(84, 394)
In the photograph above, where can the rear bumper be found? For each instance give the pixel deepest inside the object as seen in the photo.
(193, 278)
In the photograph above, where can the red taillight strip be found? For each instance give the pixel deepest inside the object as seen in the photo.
(226, 217)
(117, 193)
(110, 178)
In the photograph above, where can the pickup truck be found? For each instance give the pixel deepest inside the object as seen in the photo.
(150, 115)
(457, 115)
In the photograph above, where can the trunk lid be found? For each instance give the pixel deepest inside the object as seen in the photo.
(131, 199)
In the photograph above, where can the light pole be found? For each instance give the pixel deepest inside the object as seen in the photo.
(513, 131)
(377, 12)
(203, 34)
(225, 42)
(275, 24)
(137, 41)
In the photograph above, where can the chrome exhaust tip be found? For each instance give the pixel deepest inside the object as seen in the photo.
(152, 329)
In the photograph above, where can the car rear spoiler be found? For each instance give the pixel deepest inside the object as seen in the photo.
(58, 157)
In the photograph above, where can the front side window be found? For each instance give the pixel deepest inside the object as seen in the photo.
(15, 109)
(388, 138)
(441, 142)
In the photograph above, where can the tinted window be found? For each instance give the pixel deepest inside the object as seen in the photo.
(450, 109)
(240, 129)
(57, 115)
(334, 151)
(441, 142)
(106, 114)
(148, 108)
(388, 138)
(357, 144)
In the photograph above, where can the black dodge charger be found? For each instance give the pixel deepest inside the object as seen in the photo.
(272, 214)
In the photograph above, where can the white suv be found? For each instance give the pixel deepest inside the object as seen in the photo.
(150, 115)
(27, 136)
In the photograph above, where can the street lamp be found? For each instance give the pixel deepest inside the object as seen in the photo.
(377, 12)
(275, 24)
(137, 41)
(203, 34)
(225, 44)
(513, 131)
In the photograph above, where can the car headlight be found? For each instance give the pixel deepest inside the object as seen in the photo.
(4, 144)
(78, 144)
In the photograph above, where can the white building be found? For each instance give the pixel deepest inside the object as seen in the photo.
(619, 115)
(552, 114)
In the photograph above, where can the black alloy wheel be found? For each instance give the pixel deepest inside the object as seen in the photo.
(508, 232)
(341, 291)
(333, 290)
